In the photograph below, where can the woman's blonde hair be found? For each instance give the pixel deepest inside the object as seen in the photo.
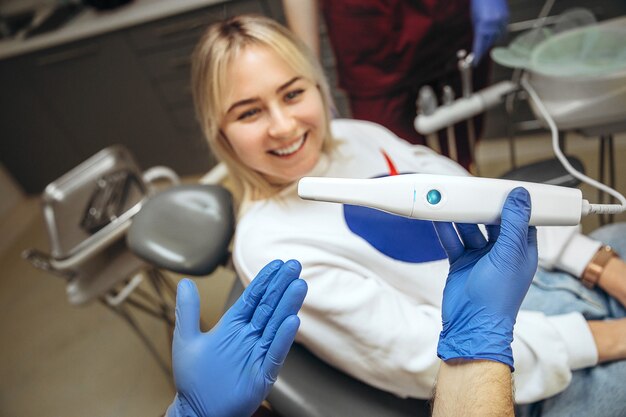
(218, 47)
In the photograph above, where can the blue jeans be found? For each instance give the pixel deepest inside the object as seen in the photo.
(600, 390)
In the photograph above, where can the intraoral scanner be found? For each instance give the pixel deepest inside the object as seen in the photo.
(453, 198)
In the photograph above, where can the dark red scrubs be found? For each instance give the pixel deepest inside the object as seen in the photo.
(387, 49)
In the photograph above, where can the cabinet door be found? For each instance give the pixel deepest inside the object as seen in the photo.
(98, 91)
(34, 147)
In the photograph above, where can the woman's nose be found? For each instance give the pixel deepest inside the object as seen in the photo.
(282, 124)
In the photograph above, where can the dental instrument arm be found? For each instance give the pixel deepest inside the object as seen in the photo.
(463, 108)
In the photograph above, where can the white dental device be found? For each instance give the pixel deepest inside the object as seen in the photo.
(448, 198)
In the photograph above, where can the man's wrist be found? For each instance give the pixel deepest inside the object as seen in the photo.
(486, 337)
(485, 385)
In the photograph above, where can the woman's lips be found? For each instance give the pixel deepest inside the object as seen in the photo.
(292, 148)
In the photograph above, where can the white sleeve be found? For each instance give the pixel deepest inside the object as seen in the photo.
(565, 248)
(359, 325)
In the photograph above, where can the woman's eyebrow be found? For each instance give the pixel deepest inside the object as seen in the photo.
(287, 84)
(242, 103)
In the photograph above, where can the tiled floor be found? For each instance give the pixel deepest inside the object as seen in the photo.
(59, 360)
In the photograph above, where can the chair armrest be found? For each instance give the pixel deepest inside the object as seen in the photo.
(106, 236)
(160, 172)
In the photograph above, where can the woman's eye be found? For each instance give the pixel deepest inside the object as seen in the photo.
(248, 114)
(291, 95)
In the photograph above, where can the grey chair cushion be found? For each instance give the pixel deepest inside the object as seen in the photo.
(185, 229)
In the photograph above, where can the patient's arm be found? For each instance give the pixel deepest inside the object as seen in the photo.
(610, 338)
(303, 20)
(473, 388)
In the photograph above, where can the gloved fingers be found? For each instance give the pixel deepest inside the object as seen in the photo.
(532, 238)
(532, 248)
(493, 231)
(481, 44)
(478, 48)
(279, 348)
(285, 275)
(289, 305)
(247, 303)
(449, 240)
(490, 19)
(514, 227)
(187, 309)
(471, 235)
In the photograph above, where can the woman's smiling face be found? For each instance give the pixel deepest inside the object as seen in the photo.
(275, 118)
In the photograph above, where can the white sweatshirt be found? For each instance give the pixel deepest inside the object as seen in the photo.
(376, 280)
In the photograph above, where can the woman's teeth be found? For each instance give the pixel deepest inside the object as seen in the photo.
(293, 148)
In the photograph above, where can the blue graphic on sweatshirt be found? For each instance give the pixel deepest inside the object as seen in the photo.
(400, 238)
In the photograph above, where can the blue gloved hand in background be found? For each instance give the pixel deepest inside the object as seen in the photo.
(487, 282)
(490, 18)
(229, 371)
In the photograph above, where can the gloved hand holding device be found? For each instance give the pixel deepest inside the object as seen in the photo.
(490, 18)
(228, 371)
(487, 282)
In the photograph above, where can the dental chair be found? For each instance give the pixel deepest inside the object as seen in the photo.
(188, 229)
(87, 213)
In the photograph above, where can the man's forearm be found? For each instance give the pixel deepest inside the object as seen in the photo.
(303, 20)
(473, 388)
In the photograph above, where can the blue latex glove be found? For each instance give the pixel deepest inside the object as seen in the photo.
(487, 282)
(229, 371)
(490, 18)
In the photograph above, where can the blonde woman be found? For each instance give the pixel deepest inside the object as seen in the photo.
(375, 280)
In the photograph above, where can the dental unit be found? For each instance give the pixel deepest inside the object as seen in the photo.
(588, 95)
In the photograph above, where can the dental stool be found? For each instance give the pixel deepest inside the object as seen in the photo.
(87, 212)
(188, 229)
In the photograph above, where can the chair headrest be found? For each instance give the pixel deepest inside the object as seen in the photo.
(185, 229)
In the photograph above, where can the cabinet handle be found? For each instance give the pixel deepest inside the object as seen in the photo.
(67, 55)
(181, 27)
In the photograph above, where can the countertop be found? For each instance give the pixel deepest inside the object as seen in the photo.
(91, 22)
